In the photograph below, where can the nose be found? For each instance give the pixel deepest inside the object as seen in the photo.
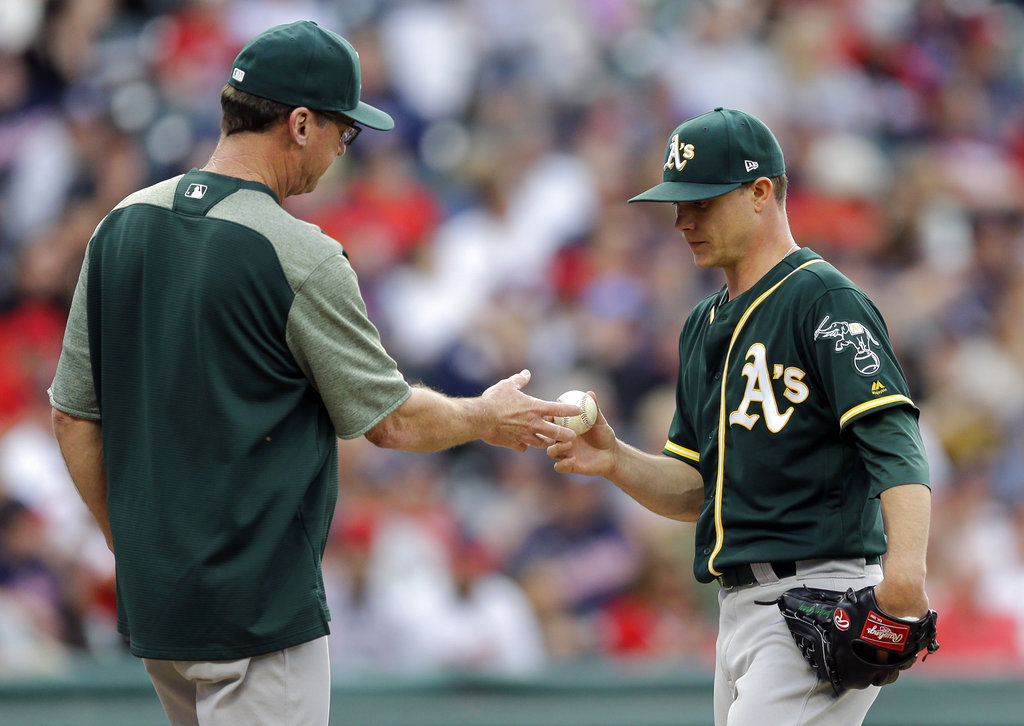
(684, 220)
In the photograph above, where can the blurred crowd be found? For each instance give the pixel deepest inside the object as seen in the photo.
(490, 233)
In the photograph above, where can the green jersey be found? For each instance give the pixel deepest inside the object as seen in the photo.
(224, 345)
(770, 386)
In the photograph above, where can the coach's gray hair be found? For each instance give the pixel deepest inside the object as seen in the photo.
(243, 111)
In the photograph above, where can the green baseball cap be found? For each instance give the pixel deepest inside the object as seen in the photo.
(302, 64)
(714, 153)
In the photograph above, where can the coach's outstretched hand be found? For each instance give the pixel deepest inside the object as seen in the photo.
(501, 416)
(521, 421)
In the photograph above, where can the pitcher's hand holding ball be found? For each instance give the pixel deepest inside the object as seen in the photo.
(590, 454)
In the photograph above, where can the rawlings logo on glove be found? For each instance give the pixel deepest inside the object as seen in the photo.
(884, 633)
(849, 641)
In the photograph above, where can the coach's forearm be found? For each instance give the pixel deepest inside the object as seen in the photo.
(81, 445)
(430, 421)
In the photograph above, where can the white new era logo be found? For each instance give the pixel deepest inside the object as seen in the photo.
(238, 74)
(751, 165)
(196, 191)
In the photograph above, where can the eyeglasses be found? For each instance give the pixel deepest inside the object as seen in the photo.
(350, 132)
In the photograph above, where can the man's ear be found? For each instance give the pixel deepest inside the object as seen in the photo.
(762, 191)
(299, 122)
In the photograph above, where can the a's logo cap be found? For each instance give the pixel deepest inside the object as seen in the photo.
(712, 154)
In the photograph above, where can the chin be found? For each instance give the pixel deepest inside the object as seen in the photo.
(703, 261)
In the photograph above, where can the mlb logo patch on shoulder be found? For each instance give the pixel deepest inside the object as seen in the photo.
(196, 191)
(196, 198)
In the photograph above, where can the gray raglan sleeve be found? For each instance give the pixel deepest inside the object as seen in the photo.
(339, 349)
(73, 390)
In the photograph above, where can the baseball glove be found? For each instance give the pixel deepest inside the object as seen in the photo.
(849, 641)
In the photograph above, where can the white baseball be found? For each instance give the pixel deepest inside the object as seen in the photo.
(580, 424)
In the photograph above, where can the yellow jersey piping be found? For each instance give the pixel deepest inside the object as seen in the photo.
(682, 451)
(868, 405)
(720, 476)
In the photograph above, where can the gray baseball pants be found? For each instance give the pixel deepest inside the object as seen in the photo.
(760, 675)
(290, 687)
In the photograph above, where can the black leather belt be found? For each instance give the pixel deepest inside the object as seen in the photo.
(743, 574)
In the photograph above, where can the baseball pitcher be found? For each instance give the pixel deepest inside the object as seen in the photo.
(794, 447)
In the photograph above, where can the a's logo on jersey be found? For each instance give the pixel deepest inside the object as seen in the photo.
(760, 391)
(852, 335)
(196, 191)
(678, 154)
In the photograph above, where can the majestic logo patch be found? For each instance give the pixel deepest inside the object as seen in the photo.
(678, 154)
(750, 165)
(878, 388)
(852, 335)
(884, 633)
(196, 191)
(841, 619)
(238, 74)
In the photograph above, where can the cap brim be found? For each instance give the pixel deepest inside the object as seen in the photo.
(684, 192)
(371, 117)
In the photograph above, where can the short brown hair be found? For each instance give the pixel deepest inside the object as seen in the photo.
(780, 184)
